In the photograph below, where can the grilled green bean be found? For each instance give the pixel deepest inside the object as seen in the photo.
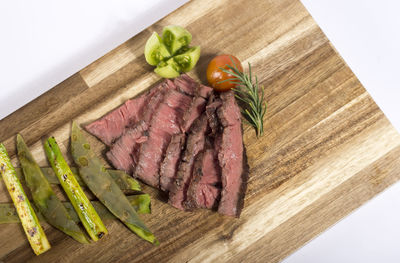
(86, 212)
(33, 230)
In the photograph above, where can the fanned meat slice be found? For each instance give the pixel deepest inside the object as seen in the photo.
(204, 91)
(197, 107)
(163, 125)
(153, 104)
(204, 189)
(194, 144)
(121, 153)
(211, 110)
(112, 125)
(124, 152)
(231, 156)
(171, 160)
(186, 84)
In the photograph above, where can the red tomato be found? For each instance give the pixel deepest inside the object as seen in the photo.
(215, 74)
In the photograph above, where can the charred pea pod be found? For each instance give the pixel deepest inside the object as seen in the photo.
(33, 230)
(44, 197)
(175, 37)
(103, 186)
(123, 180)
(85, 210)
(155, 50)
(141, 203)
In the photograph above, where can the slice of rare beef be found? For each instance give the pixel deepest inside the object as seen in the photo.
(197, 107)
(186, 84)
(124, 152)
(211, 110)
(204, 188)
(194, 144)
(163, 125)
(153, 104)
(171, 160)
(204, 91)
(231, 157)
(111, 126)
(121, 153)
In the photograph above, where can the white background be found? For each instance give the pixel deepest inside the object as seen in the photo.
(43, 42)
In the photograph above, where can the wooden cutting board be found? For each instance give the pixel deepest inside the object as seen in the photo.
(327, 147)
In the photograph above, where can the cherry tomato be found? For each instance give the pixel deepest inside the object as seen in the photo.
(215, 74)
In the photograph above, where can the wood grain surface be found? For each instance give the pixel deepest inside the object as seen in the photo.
(327, 147)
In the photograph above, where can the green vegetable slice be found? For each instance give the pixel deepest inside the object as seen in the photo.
(33, 230)
(103, 186)
(86, 212)
(123, 180)
(168, 69)
(175, 37)
(188, 59)
(141, 203)
(44, 197)
(155, 51)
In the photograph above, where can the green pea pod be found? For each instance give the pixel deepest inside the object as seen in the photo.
(33, 230)
(44, 197)
(85, 210)
(141, 203)
(103, 186)
(175, 37)
(123, 180)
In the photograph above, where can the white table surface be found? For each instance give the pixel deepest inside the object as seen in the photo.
(46, 41)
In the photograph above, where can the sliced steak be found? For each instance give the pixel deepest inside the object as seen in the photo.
(204, 91)
(153, 104)
(122, 152)
(112, 125)
(194, 144)
(197, 107)
(231, 157)
(163, 125)
(211, 110)
(186, 84)
(204, 189)
(171, 160)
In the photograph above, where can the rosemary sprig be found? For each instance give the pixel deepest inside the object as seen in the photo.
(250, 93)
